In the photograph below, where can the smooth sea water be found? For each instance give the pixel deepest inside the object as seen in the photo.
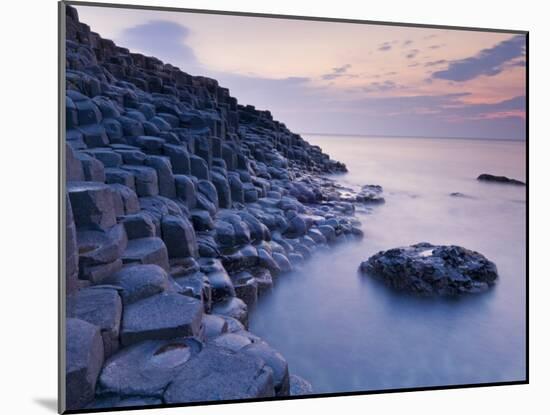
(346, 332)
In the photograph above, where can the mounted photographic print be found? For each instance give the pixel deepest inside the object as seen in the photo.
(258, 207)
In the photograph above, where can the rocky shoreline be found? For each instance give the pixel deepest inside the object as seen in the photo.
(183, 208)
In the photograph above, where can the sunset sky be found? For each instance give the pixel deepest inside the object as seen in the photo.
(326, 77)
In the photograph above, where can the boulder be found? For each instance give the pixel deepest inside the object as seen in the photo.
(427, 269)
(162, 316)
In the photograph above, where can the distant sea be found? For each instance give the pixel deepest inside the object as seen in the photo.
(346, 332)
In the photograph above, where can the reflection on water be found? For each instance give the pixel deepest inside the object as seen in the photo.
(346, 332)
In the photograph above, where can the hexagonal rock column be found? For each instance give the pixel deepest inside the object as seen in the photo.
(163, 316)
(92, 205)
(223, 375)
(84, 360)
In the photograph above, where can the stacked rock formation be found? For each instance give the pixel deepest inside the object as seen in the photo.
(182, 209)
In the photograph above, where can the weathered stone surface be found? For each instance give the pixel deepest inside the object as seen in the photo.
(138, 282)
(179, 236)
(232, 307)
(101, 307)
(299, 386)
(163, 316)
(224, 375)
(98, 248)
(186, 190)
(282, 262)
(146, 368)
(428, 269)
(84, 348)
(199, 168)
(146, 251)
(139, 225)
(71, 250)
(92, 205)
(275, 361)
(146, 180)
(213, 326)
(166, 181)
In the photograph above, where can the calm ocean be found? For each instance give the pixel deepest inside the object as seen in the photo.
(346, 332)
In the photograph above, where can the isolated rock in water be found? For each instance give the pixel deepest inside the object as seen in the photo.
(428, 269)
(499, 179)
(84, 360)
(370, 193)
(223, 375)
(299, 386)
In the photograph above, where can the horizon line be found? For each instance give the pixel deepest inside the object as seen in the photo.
(412, 136)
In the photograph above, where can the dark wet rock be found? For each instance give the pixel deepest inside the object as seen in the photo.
(299, 386)
(275, 361)
(202, 221)
(163, 316)
(370, 194)
(246, 288)
(460, 195)
(232, 307)
(232, 341)
(224, 375)
(146, 368)
(84, 347)
(265, 260)
(428, 269)
(282, 262)
(198, 286)
(138, 282)
(213, 326)
(101, 307)
(499, 179)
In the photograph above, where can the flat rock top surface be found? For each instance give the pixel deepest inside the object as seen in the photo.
(428, 269)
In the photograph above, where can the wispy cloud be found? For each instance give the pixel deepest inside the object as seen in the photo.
(337, 72)
(384, 47)
(488, 62)
(412, 53)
